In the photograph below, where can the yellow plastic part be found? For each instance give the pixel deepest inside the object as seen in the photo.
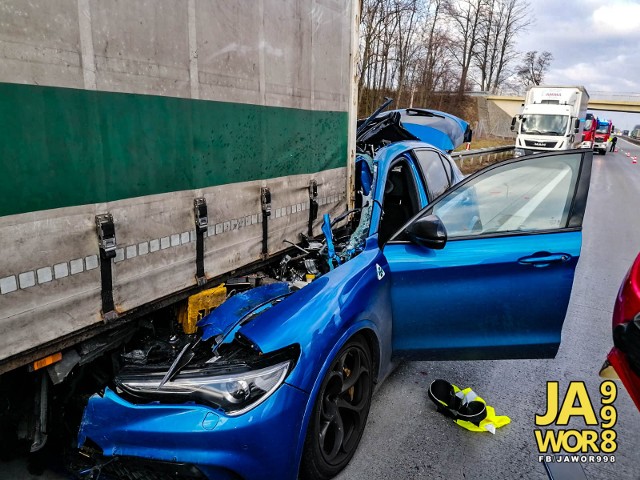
(199, 305)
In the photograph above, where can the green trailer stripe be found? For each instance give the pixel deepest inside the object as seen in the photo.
(63, 147)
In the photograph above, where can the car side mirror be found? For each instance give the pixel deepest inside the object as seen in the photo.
(513, 124)
(576, 125)
(428, 231)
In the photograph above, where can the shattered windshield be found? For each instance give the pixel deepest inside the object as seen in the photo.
(544, 124)
(358, 237)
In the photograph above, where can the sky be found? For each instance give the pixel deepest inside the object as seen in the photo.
(594, 43)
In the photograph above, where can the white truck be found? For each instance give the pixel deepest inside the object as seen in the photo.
(552, 118)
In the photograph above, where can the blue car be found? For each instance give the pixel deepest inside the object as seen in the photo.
(278, 383)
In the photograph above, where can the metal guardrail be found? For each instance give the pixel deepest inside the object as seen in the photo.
(471, 157)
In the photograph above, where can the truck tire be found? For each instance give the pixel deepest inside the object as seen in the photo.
(340, 413)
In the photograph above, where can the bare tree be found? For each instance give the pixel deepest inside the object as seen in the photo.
(389, 49)
(534, 67)
(500, 24)
(432, 74)
(422, 51)
(435, 46)
(406, 48)
(517, 20)
(465, 16)
(369, 32)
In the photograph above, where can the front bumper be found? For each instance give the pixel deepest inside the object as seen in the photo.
(261, 444)
(521, 152)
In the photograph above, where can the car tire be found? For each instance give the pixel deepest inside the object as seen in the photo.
(340, 412)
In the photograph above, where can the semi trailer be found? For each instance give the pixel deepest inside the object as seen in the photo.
(151, 150)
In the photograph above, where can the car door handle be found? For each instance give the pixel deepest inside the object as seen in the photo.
(544, 259)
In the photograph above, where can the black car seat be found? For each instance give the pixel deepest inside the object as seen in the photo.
(397, 203)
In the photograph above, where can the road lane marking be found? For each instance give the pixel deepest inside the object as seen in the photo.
(523, 214)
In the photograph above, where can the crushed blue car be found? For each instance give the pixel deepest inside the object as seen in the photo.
(430, 265)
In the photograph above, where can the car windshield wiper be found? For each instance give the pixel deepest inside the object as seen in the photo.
(339, 218)
(181, 361)
(372, 117)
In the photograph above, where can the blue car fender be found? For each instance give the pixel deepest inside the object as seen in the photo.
(318, 316)
(353, 298)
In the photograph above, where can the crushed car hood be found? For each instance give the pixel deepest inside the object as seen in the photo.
(241, 307)
(440, 129)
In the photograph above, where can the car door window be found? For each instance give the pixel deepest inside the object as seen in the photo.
(434, 172)
(516, 237)
(525, 196)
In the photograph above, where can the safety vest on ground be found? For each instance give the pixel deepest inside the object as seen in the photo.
(467, 409)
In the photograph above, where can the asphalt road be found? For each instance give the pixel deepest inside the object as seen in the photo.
(405, 438)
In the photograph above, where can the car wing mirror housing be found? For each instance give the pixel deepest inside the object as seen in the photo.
(428, 231)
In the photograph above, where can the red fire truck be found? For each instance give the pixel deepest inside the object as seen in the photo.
(589, 131)
(602, 136)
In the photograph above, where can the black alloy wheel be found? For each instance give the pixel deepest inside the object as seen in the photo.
(340, 413)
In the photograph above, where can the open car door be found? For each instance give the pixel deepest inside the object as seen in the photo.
(486, 270)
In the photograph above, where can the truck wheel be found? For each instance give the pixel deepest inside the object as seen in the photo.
(340, 413)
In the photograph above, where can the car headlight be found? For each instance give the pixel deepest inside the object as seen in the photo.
(518, 152)
(234, 393)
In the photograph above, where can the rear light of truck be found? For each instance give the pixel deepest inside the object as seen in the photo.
(46, 361)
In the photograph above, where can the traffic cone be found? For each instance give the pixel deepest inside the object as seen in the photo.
(615, 150)
(634, 160)
(628, 154)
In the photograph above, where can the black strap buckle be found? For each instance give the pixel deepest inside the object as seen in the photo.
(202, 226)
(313, 205)
(265, 200)
(106, 231)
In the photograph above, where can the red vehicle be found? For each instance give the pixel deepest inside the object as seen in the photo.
(602, 135)
(624, 357)
(589, 131)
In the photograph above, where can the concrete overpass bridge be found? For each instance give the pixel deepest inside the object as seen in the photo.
(629, 103)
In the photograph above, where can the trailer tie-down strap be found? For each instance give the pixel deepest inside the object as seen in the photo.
(313, 205)
(202, 225)
(265, 200)
(106, 231)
